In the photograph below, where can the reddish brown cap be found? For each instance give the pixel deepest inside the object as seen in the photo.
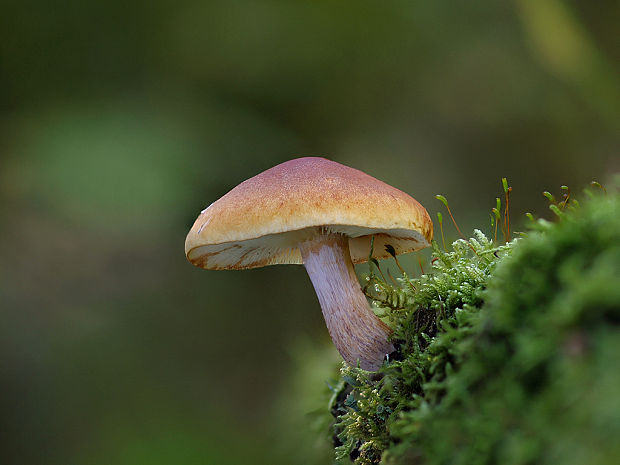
(262, 220)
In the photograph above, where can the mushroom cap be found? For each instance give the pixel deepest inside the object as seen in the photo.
(262, 220)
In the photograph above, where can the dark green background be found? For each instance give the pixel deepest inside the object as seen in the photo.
(120, 121)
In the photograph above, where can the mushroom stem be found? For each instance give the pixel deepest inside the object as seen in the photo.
(356, 331)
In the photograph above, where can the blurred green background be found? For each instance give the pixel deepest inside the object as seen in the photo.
(120, 121)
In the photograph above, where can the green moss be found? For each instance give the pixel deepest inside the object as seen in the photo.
(505, 354)
(537, 379)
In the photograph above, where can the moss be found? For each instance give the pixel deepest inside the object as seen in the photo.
(505, 354)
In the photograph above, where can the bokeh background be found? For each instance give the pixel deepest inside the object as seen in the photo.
(120, 121)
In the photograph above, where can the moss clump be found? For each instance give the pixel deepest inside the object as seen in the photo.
(538, 379)
(507, 355)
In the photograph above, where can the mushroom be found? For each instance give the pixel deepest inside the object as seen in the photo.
(322, 214)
